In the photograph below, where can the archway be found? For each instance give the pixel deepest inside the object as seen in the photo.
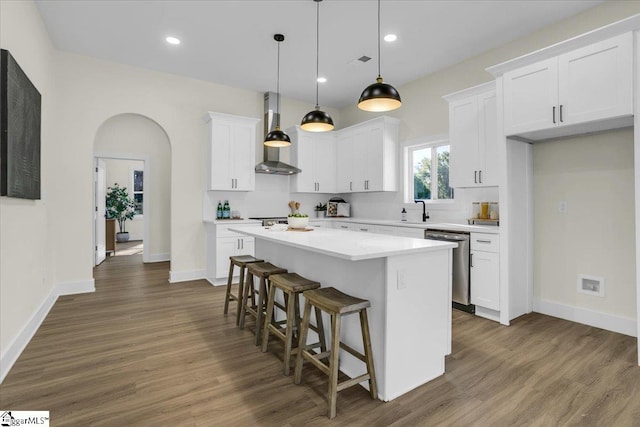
(139, 140)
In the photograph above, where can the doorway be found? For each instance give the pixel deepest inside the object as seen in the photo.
(134, 152)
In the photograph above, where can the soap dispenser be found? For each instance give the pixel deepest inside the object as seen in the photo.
(403, 214)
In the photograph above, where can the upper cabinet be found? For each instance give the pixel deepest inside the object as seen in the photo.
(473, 137)
(587, 85)
(231, 152)
(315, 154)
(367, 156)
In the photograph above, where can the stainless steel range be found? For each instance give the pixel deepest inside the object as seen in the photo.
(270, 220)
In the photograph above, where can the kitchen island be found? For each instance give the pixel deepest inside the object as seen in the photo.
(408, 282)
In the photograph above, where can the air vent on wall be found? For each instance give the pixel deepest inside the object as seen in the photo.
(591, 285)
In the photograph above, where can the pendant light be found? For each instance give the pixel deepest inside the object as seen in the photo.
(277, 137)
(317, 120)
(379, 96)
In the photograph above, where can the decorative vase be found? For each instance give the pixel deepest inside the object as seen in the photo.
(122, 237)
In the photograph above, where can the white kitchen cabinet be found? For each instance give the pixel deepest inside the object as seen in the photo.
(231, 152)
(353, 226)
(367, 156)
(315, 154)
(223, 243)
(416, 233)
(590, 84)
(485, 273)
(321, 223)
(473, 137)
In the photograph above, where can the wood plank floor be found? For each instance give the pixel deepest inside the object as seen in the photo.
(140, 351)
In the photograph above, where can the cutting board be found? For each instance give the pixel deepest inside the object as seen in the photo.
(299, 229)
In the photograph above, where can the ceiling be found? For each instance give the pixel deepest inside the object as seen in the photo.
(231, 42)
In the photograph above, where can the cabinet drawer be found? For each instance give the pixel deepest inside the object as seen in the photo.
(485, 242)
(222, 230)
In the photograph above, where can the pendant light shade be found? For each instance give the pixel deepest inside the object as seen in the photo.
(277, 137)
(379, 96)
(317, 120)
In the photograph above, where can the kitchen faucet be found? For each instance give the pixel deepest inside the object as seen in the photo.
(425, 214)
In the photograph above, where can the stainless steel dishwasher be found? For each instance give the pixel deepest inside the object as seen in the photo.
(461, 294)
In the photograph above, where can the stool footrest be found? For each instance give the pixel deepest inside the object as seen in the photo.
(353, 381)
(315, 362)
(353, 352)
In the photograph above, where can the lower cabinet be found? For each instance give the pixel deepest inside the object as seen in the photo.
(231, 246)
(223, 243)
(485, 272)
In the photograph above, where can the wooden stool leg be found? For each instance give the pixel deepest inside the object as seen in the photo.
(304, 329)
(267, 321)
(320, 326)
(228, 293)
(368, 354)
(334, 360)
(248, 285)
(288, 335)
(240, 293)
(296, 332)
(260, 307)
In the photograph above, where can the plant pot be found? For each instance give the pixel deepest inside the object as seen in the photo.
(298, 222)
(122, 237)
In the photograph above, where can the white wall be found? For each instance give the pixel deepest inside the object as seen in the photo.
(120, 171)
(26, 281)
(594, 175)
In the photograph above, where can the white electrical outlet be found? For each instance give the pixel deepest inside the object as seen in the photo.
(562, 207)
(402, 281)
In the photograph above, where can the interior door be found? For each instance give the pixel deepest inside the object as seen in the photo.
(100, 209)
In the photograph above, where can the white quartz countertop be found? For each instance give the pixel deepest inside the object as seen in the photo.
(491, 229)
(231, 222)
(349, 245)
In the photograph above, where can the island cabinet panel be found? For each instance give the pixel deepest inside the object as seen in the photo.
(315, 154)
(485, 274)
(590, 84)
(223, 243)
(231, 152)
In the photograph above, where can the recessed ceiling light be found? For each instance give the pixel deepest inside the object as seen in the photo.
(322, 79)
(390, 38)
(172, 40)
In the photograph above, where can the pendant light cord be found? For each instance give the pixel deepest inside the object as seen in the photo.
(379, 39)
(278, 88)
(317, 52)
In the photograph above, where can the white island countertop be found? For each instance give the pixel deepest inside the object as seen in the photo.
(349, 245)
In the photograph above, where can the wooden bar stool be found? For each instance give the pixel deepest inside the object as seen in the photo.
(337, 304)
(291, 285)
(241, 262)
(262, 270)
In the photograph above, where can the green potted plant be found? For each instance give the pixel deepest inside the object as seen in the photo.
(120, 207)
(321, 210)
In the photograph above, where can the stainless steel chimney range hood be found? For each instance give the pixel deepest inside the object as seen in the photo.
(272, 164)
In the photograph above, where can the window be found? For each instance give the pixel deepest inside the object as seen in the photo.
(429, 171)
(138, 190)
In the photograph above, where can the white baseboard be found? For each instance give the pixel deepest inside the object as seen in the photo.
(162, 257)
(610, 322)
(186, 275)
(17, 346)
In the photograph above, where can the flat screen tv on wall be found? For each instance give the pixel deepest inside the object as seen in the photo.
(20, 106)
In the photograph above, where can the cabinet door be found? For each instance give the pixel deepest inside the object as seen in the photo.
(596, 81)
(360, 152)
(531, 97)
(344, 163)
(374, 159)
(463, 142)
(225, 247)
(242, 158)
(247, 246)
(343, 226)
(485, 279)
(302, 154)
(220, 154)
(487, 140)
(324, 158)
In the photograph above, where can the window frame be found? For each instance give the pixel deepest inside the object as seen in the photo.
(418, 144)
(134, 192)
